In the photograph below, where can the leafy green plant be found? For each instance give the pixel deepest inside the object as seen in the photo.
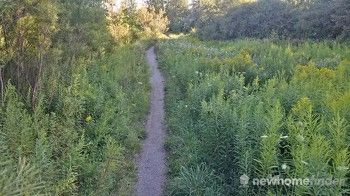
(196, 181)
(289, 120)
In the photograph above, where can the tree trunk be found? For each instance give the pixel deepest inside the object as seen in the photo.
(37, 80)
(2, 88)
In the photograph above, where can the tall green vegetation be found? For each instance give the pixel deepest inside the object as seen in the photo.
(72, 98)
(259, 109)
(82, 140)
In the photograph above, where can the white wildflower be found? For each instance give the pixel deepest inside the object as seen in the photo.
(284, 166)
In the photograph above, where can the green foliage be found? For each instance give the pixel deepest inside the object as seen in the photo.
(157, 4)
(17, 125)
(127, 24)
(177, 12)
(83, 141)
(270, 140)
(72, 104)
(20, 179)
(153, 24)
(256, 108)
(196, 181)
(275, 19)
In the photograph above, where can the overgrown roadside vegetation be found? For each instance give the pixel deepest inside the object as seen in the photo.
(256, 108)
(81, 138)
(74, 93)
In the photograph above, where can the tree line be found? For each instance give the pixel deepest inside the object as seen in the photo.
(230, 19)
(39, 35)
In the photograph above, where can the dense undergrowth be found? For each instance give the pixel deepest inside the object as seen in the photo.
(259, 109)
(81, 136)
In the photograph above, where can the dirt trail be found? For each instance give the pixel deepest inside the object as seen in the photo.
(151, 161)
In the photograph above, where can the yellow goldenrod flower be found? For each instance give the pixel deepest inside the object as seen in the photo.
(88, 119)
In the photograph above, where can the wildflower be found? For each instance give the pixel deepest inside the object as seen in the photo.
(186, 106)
(88, 119)
(197, 72)
(284, 166)
(264, 136)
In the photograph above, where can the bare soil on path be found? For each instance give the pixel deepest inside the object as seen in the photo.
(151, 160)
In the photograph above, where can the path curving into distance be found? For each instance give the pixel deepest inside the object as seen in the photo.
(151, 160)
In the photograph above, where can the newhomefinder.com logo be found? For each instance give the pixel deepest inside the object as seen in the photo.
(278, 181)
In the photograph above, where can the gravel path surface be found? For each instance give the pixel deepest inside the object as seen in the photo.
(151, 160)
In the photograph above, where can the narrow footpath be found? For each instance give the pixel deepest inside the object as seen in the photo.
(151, 160)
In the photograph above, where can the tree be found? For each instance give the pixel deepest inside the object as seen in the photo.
(120, 27)
(341, 17)
(27, 28)
(177, 12)
(3, 62)
(130, 5)
(157, 4)
(227, 19)
(152, 23)
(316, 21)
